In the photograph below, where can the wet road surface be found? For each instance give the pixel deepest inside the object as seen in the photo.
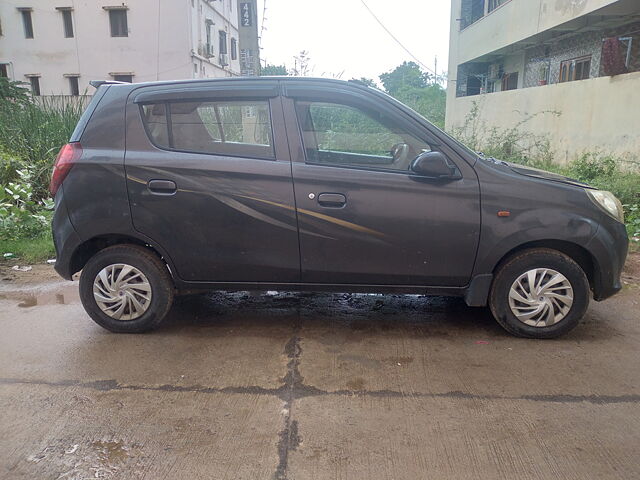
(314, 386)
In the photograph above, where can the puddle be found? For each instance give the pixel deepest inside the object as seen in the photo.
(61, 296)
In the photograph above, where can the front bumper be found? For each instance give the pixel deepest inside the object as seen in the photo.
(609, 248)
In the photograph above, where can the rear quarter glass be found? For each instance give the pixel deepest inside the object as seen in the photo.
(86, 115)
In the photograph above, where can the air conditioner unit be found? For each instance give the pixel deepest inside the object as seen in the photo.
(223, 59)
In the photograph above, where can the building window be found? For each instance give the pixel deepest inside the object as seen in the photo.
(27, 22)
(510, 81)
(493, 4)
(223, 42)
(234, 49)
(575, 69)
(127, 78)
(67, 22)
(471, 12)
(35, 85)
(209, 46)
(4, 70)
(118, 22)
(74, 88)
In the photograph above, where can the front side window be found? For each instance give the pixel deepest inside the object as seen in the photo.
(343, 135)
(238, 128)
(118, 22)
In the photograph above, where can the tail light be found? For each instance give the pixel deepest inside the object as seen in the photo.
(68, 155)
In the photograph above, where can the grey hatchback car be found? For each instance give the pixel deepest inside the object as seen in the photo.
(318, 185)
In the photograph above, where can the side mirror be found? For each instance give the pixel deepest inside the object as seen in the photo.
(435, 165)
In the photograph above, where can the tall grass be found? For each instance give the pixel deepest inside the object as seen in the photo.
(32, 133)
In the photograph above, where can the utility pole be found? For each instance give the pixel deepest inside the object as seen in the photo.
(248, 38)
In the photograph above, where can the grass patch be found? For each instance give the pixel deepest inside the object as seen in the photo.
(29, 250)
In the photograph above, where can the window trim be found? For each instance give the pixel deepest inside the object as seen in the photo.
(167, 109)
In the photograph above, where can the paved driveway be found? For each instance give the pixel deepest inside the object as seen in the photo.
(322, 386)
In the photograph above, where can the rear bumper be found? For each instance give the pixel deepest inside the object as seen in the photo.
(65, 238)
(609, 248)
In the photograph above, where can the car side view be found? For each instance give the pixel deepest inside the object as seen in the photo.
(321, 185)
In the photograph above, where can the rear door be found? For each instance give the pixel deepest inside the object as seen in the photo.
(364, 217)
(209, 179)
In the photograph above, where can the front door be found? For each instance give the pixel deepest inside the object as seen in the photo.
(209, 179)
(364, 217)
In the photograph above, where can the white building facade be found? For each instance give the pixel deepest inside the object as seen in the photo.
(569, 68)
(58, 46)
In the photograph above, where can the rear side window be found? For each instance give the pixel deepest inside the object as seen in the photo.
(238, 128)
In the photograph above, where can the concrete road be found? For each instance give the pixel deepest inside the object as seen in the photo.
(301, 386)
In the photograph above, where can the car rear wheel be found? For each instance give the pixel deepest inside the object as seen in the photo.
(126, 289)
(539, 293)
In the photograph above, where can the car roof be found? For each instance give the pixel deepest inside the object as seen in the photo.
(278, 78)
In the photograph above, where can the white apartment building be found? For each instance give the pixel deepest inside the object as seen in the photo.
(58, 46)
(571, 67)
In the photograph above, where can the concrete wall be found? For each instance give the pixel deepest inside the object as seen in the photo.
(596, 114)
(515, 21)
(160, 44)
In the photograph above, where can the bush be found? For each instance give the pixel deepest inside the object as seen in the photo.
(516, 145)
(21, 216)
(33, 133)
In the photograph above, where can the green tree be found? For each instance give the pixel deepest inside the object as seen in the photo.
(417, 89)
(408, 74)
(270, 70)
(367, 81)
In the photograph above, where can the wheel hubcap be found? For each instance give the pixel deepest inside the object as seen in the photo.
(541, 297)
(122, 291)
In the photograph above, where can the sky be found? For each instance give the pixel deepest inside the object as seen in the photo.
(345, 41)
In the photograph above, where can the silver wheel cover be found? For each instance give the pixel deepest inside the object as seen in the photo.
(541, 297)
(122, 291)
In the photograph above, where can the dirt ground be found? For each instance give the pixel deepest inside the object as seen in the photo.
(324, 386)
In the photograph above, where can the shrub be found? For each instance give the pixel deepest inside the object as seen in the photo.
(33, 133)
(515, 144)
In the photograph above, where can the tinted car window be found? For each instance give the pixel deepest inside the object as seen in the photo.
(240, 128)
(336, 134)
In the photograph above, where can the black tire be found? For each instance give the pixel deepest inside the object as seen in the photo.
(162, 290)
(522, 262)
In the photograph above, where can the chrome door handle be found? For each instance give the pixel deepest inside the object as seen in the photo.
(162, 187)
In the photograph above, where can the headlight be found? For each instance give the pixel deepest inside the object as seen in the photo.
(608, 202)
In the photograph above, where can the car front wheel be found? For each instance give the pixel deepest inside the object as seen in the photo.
(126, 289)
(539, 293)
